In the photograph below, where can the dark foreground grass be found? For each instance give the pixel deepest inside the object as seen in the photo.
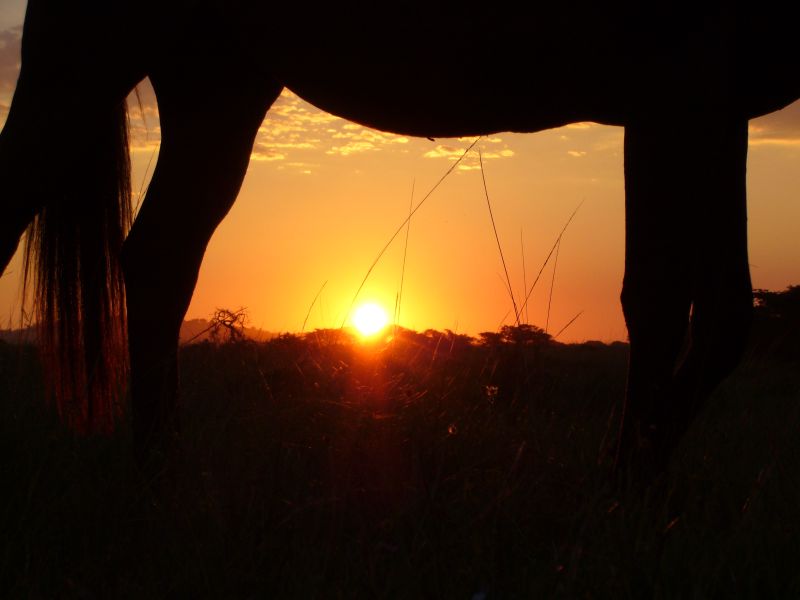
(425, 468)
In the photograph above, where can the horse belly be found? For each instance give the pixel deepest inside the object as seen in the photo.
(432, 109)
(453, 74)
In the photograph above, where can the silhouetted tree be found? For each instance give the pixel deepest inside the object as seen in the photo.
(783, 306)
(456, 342)
(490, 339)
(525, 334)
(776, 323)
(228, 325)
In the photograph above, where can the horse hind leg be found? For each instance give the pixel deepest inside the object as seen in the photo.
(66, 79)
(23, 147)
(207, 139)
(22, 193)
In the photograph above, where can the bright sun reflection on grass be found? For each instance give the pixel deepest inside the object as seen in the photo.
(369, 319)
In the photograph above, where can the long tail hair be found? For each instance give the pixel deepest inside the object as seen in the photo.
(72, 267)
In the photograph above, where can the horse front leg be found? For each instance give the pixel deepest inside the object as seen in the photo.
(686, 256)
(722, 299)
(207, 139)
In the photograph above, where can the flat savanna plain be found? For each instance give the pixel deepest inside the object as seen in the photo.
(427, 466)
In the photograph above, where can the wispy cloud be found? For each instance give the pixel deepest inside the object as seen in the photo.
(775, 141)
(296, 132)
(10, 42)
(360, 139)
(266, 154)
(758, 136)
(492, 148)
(579, 140)
(780, 128)
(145, 129)
(294, 125)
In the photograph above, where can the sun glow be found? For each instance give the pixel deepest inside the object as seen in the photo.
(369, 319)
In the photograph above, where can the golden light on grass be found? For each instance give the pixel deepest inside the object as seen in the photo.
(370, 318)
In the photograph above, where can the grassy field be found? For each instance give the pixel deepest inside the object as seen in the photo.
(424, 468)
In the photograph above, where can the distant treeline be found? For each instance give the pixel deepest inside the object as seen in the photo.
(775, 331)
(776, 323)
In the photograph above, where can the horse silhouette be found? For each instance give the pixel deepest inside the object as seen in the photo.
(682, 78)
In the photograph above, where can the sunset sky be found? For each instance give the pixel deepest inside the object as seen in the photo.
(323, 196)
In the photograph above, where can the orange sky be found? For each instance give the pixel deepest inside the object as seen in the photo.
(323, 196)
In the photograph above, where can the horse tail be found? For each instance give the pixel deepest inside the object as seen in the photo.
(72, 267)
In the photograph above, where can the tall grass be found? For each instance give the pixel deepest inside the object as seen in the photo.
(404, 224)
(311, 467)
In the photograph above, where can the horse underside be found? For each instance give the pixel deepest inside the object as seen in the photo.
(434, 70)
(400, 101)
(452, 76)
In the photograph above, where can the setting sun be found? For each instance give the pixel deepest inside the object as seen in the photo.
(369, 319)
